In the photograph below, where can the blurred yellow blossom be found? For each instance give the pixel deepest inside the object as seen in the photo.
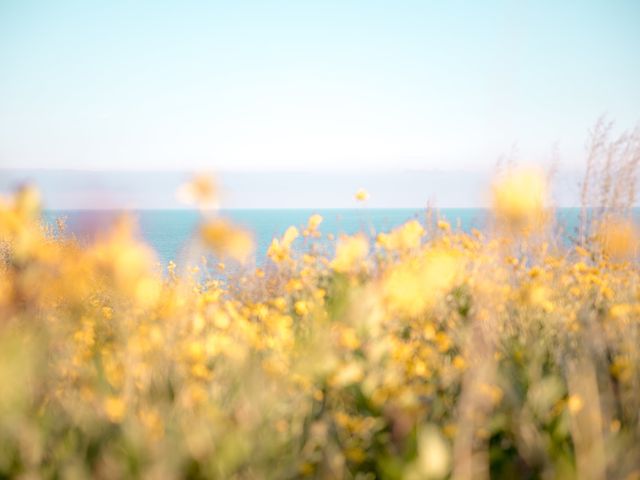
(350, 252)
(347, 374)
(312, 225)
(417, 283)
(434, 457)
(362, 195)
(280, 249)
(202, 191)
(406, 237)
(301, 307)
(618, 238)
(519, 198)
(226, 239)
(444, 225)
(115, 408)
(575, 403)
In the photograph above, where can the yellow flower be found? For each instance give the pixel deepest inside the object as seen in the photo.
(538, 295)
(583, 252)
(280, 303)
(417, 283)
(347, 374)
(280, 249)
(226, 239)
(444, 225)
(277, 252)
(434, 456)
(115, 408)
(458, 362)
(349, 339)
(575, 403)
(294, 285)
(153, 423)
(356, 454)
(289, 236)
(314, 222)
(404, 238)
(491, 392)
(147, 291)
(350, 252)
(620, 310)
(519, 198)
(618, 238)
(119, 255)
(301, 307)
(362, 195)
(202, 191)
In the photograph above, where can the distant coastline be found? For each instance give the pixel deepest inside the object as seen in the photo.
(140, 190)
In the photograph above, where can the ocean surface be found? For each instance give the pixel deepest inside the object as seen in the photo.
(171, 233)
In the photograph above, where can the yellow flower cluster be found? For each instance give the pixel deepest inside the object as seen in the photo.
(427, 353)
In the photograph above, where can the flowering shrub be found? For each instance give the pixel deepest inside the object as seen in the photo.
(425, 353)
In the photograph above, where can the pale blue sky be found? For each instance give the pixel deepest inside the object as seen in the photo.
(299, 85)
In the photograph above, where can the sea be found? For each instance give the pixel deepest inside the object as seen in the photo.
(172, 233)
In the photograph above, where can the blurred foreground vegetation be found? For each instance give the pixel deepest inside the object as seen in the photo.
(423, 352)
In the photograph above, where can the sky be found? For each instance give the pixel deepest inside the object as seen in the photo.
(307, 86)
(414, 100)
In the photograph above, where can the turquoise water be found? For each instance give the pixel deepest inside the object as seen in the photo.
(171, 232)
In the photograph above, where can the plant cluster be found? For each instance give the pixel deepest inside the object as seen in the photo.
(423, 352)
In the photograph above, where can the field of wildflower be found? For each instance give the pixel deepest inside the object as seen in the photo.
(423, 352)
